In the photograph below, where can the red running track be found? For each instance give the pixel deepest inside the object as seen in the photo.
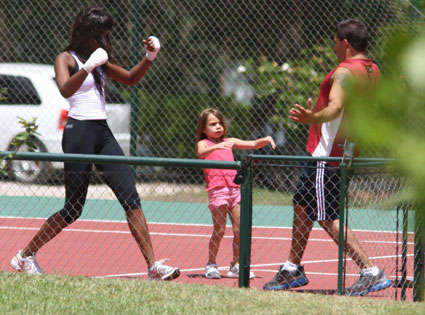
(107, 249)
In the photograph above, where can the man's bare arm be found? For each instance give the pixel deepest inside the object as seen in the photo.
(335, 105)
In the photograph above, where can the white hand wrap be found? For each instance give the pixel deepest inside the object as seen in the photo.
(96, 59)
(151, 54)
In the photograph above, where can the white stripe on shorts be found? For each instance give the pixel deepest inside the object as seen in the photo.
(320, 191)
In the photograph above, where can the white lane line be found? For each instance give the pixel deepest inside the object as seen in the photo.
(190, 235)
(197, 224)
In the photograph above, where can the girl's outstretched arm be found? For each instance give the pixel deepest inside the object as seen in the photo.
(252, 144)
(202, 148)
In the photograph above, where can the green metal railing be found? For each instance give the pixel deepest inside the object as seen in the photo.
(245, 168)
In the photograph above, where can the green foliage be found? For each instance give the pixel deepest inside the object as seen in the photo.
(24, 137)
(168, 135)
(194, 34)
(392, 119)
(3, 93)
(292, 82)
(279, 86)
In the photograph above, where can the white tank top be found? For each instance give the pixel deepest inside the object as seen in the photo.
(87, 103)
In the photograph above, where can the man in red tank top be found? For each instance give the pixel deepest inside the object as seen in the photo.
(318, 189)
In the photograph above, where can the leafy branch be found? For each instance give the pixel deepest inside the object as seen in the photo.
(3, 93)
(24, 137)
(292, 82)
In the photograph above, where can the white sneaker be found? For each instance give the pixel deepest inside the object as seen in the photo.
(158, 271)
(27, 265)
(234, 272)
(211, 271)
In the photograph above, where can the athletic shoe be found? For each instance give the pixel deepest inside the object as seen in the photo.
(27, 265)
(159, 271)
(285, 279)
(211, 272)
(234, 272)
(368, 283)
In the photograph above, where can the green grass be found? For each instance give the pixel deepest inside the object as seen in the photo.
(50, 294)
(271, 197)
(260, 196)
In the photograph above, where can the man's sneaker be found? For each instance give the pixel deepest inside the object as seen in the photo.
(234, 272)
(211, 271)
(368, 283)
(27, 265)
(285, 279)
(159, 271)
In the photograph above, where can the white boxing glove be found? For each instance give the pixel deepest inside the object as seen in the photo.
(96, 59)
(151, 54)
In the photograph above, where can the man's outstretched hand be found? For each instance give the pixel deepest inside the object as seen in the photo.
(302, 115)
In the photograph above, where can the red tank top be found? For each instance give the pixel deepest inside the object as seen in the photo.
(326, 139)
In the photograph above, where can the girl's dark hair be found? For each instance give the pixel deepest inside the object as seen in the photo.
(202, 123)
(90, 25)
(355, 32)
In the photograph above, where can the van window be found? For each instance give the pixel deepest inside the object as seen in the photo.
(20, 91)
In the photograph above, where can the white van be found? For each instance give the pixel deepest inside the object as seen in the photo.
(32, 92)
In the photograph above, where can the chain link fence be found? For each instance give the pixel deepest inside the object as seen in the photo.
(252, 60)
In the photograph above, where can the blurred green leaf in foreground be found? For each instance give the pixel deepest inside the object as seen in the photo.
(392, 118)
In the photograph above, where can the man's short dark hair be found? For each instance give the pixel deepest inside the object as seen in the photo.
(355, 32)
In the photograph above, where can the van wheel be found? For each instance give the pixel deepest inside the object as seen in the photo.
(34, 172)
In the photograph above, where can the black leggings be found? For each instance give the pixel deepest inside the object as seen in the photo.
(94, 137)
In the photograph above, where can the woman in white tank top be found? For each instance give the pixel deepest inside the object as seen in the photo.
(81, 73)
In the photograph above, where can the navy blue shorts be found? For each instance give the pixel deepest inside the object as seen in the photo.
(319, 190)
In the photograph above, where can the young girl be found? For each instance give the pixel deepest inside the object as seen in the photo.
(223, 195)
(81, 73)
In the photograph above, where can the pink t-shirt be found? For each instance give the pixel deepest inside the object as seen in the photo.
(219, 177)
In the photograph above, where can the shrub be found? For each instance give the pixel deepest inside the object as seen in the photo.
(174, 134)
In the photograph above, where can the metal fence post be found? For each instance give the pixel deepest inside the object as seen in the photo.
(404, 254)
(135, 34)
(418, 287)
(246, 225)
(341, 240)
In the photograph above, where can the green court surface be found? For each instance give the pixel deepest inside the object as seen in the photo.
(186, 212)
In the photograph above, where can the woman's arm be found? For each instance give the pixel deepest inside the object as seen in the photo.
(64, 63)
(133, 76)
(252, 144)
(68, 84)
(202, 148)
(129, 77)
